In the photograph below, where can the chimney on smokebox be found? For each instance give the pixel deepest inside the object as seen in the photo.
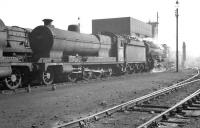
(47, 22)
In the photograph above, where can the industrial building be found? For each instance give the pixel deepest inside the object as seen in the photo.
(124, 26)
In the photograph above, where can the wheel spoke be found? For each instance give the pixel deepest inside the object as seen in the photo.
(48, 77)
(9, 80)
(14, 80)
(45, 78)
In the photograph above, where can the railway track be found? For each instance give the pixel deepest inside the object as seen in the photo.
(192, 101)
(82, 122)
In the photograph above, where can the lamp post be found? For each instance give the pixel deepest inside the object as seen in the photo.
(176, 14)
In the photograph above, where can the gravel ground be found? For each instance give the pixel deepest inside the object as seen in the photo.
(42, 108)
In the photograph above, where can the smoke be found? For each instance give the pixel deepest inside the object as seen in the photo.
(191, 61)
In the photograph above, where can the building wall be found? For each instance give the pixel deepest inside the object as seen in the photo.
(114, 25)
(140, 28)
(154, 29)
(124, 25)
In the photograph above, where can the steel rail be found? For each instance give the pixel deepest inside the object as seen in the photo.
(170, 109)
(161, 91)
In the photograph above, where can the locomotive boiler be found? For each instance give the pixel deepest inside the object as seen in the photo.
(46, 41)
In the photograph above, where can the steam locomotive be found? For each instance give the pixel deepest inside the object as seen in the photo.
(49, 54)
(14, 51)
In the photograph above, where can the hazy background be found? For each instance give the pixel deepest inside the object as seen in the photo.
(29, 13)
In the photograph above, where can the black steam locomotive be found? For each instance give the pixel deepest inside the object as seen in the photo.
(49, 54)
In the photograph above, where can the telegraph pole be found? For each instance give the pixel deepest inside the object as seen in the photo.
(176, 14)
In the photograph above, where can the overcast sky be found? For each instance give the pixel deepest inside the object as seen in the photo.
(29, 14)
